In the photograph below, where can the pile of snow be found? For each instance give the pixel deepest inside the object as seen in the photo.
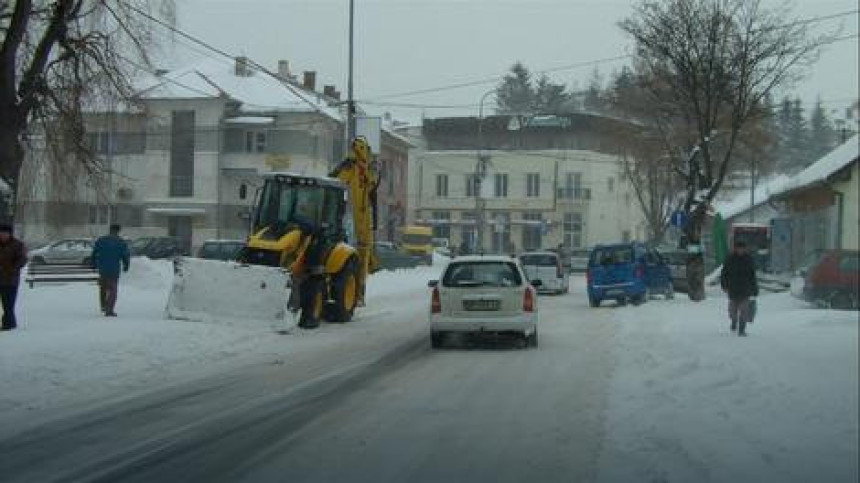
(212, 290)
(692, 401)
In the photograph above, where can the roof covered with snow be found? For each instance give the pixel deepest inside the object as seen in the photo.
(257, 92)
(779, 185)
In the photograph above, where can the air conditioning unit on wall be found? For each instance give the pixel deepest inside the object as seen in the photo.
(125, 193)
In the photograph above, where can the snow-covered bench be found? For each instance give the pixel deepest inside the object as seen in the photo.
(59, 273)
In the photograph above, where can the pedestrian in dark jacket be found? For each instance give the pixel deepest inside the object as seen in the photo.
(110, 254)
(738, 280)
(13, 257)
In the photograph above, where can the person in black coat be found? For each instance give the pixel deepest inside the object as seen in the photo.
(738, 280)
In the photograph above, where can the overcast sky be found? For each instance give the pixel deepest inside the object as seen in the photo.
(408, 45)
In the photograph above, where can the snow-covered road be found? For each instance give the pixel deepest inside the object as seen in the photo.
(660, 392)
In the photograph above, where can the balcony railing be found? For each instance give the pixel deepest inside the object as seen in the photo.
(583, 194)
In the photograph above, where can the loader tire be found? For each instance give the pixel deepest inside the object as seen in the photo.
(313, 300)
(344, 288)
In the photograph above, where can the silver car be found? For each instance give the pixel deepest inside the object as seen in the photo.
(480, 294)
(72, 251)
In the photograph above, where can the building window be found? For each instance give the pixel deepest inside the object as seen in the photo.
(471, 185)
(610, 184)
(532, 231)
(625, 236)
(533, 185)
(572, 230)
(442, 185)
(255, 141)
(501, 185)
(102, 214)
(442, 224)
(182, 154)
(573, 188)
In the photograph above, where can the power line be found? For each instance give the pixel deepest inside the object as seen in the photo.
(490, 80)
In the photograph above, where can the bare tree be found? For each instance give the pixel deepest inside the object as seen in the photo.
(59, 60)
(709, 66)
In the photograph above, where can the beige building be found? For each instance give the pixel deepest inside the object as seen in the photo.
(531, 199)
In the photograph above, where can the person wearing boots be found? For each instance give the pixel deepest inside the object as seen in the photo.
(110, 253)
(738, 280)
(13, 257)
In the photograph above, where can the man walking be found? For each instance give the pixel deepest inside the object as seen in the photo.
(739, 281)
(110, 253)
(13, 256)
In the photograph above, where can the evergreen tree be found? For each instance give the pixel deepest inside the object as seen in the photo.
(549, 97)
(822, 135)
(515, 94)
(594, 98)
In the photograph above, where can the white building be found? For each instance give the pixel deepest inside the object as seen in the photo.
(531, 199)
(178, 157)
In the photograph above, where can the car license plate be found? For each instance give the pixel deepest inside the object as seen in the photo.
(481, 305)
(614, 292)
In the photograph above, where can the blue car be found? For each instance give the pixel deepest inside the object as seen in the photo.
(627, 272)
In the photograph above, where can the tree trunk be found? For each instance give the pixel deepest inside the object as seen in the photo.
(695, 257)
(11, 160)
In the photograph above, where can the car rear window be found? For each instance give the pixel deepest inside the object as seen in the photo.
(543, 260)
(482, 274)
(612, 255)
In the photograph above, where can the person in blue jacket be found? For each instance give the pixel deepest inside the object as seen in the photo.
(110, 254)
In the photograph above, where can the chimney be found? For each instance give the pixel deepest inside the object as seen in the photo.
(310, 80)
(329, 91)
(284, 69)
(243, 66)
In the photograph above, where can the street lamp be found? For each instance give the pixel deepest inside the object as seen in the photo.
(480, 173)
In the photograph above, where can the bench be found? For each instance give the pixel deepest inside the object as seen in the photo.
(59, 273)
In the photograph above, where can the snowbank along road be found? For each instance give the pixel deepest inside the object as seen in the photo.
(661, 392)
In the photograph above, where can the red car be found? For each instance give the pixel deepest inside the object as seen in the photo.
(834, 279)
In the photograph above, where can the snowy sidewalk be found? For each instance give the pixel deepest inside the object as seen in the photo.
(65, 355)
(691, 401)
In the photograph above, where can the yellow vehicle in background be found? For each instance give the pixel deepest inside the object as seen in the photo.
(418, 240)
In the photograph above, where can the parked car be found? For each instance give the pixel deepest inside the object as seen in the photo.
(832, 279)
(158, 247)
(579, 260)
(72, 251)
(225, 250)
(546, 267)
(484, 294)
(392, 258)
(627, 272)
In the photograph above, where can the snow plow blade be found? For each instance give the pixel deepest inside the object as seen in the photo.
(230, 292)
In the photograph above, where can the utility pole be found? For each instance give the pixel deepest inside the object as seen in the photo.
(480, 174)
(350, 101)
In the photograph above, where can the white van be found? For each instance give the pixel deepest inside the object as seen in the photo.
(549, 269)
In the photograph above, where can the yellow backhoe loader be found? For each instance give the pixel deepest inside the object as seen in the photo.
(319, 230)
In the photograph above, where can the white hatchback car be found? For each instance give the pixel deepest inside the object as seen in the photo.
(484, 294)
(549, 269)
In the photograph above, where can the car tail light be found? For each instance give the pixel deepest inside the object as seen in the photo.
(436, 302)
(558, 268)
(588, 276)
(640, 271)
(529, 300)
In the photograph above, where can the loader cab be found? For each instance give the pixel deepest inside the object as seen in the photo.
(311, 204)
